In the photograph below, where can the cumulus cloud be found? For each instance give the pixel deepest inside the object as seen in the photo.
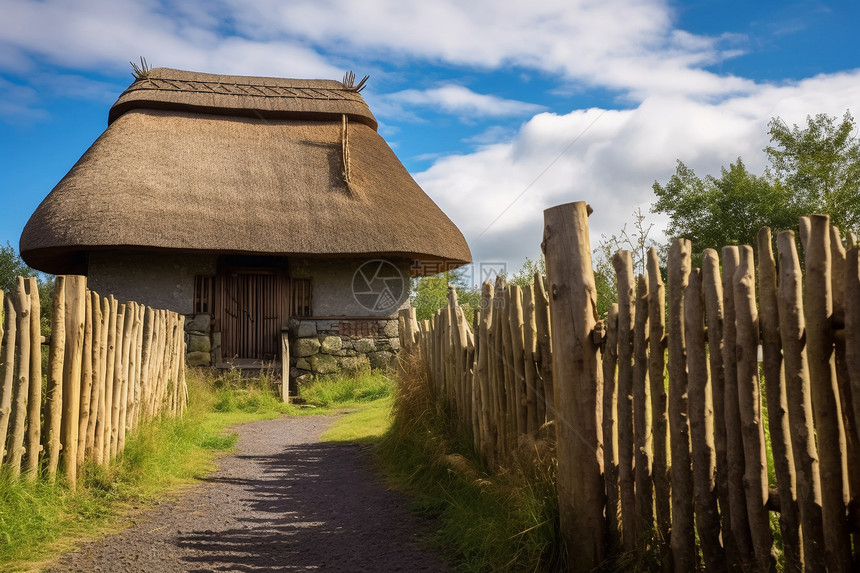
(610, 159)
(458, 100)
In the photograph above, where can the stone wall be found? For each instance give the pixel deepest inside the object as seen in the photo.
(198, 340)
(319, 347)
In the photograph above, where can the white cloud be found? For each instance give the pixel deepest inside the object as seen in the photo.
(458, 100)
(497, 194)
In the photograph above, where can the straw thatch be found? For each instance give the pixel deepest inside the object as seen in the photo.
(223, 164)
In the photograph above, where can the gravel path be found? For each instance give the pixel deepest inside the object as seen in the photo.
(283, 502)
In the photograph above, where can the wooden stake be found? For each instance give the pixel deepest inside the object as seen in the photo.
(622, 261)
(76, 295)
(792, 328)
(8, 379)
(610, 428)
(21, 393)
(643, 451)
(54, 391)
(739, 524)
(702, 426)
(777, 404)
(818, 310)
(578, 383)
(34, 415)
(659, 401)
(683, 537)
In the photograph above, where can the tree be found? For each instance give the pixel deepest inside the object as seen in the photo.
(429, 294)
(811, 170)
(713, 213)
(11, 267)
(820, 165)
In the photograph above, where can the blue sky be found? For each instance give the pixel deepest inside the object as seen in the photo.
(499, 109)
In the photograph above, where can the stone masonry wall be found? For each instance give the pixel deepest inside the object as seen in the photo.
(346, 345)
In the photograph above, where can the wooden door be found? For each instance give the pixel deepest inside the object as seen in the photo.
(249, 313)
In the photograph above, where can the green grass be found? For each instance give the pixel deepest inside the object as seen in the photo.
(504, 521)
(38, 521)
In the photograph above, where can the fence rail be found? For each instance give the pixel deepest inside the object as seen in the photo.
(110, 367)
(664, 438)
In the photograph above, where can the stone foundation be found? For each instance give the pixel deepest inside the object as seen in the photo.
(317, 347)
(320, 347)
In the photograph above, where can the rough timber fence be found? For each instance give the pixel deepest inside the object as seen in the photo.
(659, 417)
(110, 367)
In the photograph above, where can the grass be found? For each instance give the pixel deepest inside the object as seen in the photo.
(38, 521)
(504, 521)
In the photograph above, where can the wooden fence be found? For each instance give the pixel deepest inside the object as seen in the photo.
(110, 367)
(664, 441)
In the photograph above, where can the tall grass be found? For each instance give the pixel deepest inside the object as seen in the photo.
(43, 519)
(501, 521)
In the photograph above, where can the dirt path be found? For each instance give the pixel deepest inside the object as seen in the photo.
(283, 502)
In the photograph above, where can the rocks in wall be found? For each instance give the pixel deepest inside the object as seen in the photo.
(322, 347)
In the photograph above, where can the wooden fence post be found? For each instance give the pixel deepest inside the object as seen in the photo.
(610, 428)
(714, 315)
(76, 294)
(54, 391)
(749, 406)
(739, 524)
(578, 383)
(777, 404)
(482, 374)
(86, 381)
(702, 426)
(21, 391)
(683, 535)
(34, 415)
(518, 395)
(852, 329)
(8, 375)
(818, 309)
(530, 349)
(544, 345)
(792, 327)
(659, 401)
(622, 261)
(642, 412)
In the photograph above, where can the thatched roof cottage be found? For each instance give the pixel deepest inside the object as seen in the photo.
(250, 204)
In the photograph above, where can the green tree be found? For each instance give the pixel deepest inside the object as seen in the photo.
(815, 169)
(11, 267)
(429, 294)
(526, 275)
(729, 210)
(820, 165)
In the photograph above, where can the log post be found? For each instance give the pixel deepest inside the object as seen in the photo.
(622, 261)
(739, 524)
(21, 392)
(827, 413)
(483, 374)
(76, 295)
(101, 421)
(610, 428)
(544, 345)
(7, 381)
(777, 404)
(749, 405)
(792, 330)
(702, 426)
(714, 313)
(95, 389)
(285, 367)
(110, 380)
(643, 461)
(86, 378)
(34, 400)
(120, 311)
(578, 383)
(659, 401)
(852, 330)
(530, 366)
(518, 396)
(683, 536)
(54, 391)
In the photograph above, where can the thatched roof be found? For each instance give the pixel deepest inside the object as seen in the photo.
(227, 164)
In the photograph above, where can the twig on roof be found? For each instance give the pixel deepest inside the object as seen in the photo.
(142, 71)
(349, 81)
